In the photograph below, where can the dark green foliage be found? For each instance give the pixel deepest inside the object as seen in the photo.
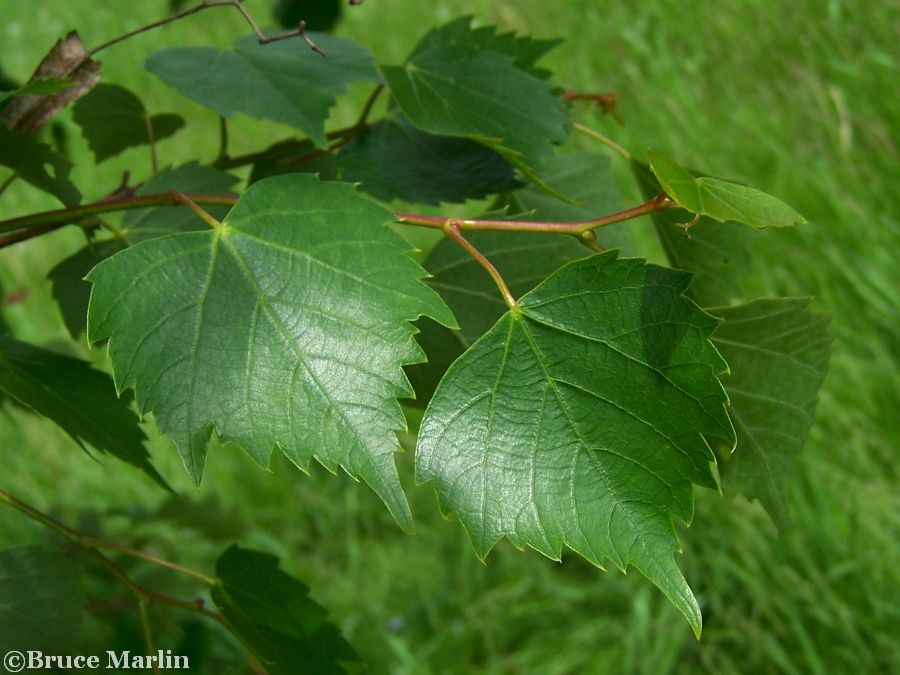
(41, 603)
(395, 160)
(113, 119)
(319, 15)
(273, 614)
(37, 163)
(70, 392)
(283, 81)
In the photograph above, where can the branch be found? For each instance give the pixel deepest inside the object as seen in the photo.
(608, 142)
(300, 31)
(91, 542)
(452, 229)
(46, 221)
(578, 228)
(609, 101)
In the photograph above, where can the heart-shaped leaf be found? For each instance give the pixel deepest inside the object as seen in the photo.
(285, 327)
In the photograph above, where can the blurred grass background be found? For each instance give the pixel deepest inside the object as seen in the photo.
(797, 98)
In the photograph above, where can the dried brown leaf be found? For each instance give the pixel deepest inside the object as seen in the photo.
(68, 60)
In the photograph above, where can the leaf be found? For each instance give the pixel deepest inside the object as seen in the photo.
(38, 164)
(394, 160)
(274, 616)
(524, 259)
(69, 288)
(524, 50)
(41, 602)
(718, 253)
(80, 400)
(286, 328)
(113, 119)
(579, 419)
(778, 353)
(721, 199)
(67, 60)
(40, 86)
(482, 96)
(142, 224)
(282, 81)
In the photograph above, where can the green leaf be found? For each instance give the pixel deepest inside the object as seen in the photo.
(40, 86)
(717, 253)
(38, 164)
(69, 288)
(579, 419)
(273, 614)
(721, 199)
(41, 602)
(524, 50)
(778, 353)
(394, 160)
(483, 96)
(524, 259)
(68, 285)
(286, 328)
(81, 400)
(141, 224)
(113, 119)
(282, 81)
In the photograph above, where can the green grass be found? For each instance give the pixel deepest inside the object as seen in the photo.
(796, 98)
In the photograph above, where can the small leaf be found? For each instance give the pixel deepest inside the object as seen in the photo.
(282, 81)
(38, 164)
(142, 224)
(285, 328)
(717, 253)
(113, 119)
(525, 51)
(273, 614)
(67, 60)
(40, 86)
(721, 199)
(778, 352)
(579, 420)
(81, 400)
(41, 602)
(394, 160)
(482, 96)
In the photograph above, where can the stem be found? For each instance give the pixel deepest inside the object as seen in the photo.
(300, 159)
(60, 217)
(576, 228)
(300, 31)
(223, 139)
(25, 234)
(608, 142)
(201, 213)
(94, 543)
(149, 597)
(151, 141)
(145, 627)
(452, 229)
(609, 101)
(367, 108)
(8, 182)
(287, 148)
